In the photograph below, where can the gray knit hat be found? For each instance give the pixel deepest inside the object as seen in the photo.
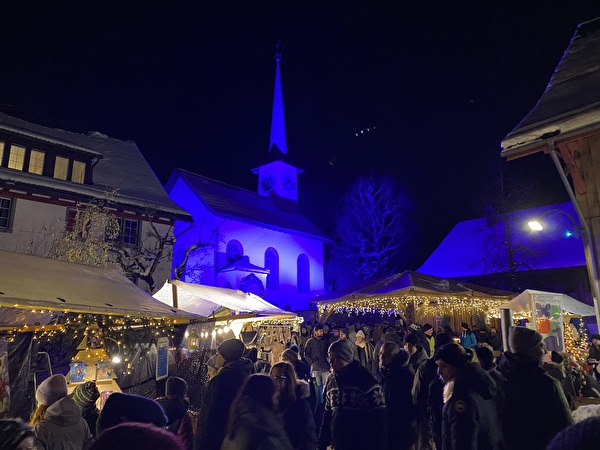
(343, 349)
(522, 340)
(13, 432)
(51, 390)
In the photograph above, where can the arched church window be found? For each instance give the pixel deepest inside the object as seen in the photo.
(234, 251)
(272, 263)
(303, 273)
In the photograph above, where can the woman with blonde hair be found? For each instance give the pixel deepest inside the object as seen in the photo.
(57, 422)
(298, 418)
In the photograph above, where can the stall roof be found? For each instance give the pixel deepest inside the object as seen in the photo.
(32, 282)
(522, 302)
(212, 301)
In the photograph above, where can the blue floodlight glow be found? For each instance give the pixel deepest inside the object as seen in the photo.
(568, 234)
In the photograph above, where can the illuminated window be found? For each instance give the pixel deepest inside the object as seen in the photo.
(303, 273)
(272, 263)
(1, 152)
(61, 168)
(234, 251)
(78, 175)
(36, 162)
(6, 205)
(16, 158)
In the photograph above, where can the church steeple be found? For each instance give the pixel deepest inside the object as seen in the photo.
(277, 122)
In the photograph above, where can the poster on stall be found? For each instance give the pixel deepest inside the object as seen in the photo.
(162, 363)
(547, 319)
(4, 386)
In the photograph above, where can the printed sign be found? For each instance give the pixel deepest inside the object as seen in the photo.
(162, 360)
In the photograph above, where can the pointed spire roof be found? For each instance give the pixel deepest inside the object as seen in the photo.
(277, 122)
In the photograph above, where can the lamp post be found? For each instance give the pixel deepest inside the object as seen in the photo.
(588, 248)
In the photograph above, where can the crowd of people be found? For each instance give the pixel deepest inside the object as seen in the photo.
(342, 387)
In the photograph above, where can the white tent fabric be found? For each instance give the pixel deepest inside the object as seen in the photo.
(206, 300)
(522, 302)
(31, 282)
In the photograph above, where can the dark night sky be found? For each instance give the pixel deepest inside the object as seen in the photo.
(191, 82)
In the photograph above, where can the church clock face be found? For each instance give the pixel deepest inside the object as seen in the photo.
(288, 181)
(267, 182)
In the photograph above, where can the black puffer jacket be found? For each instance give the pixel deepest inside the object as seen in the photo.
(531, 404)
(469, 415)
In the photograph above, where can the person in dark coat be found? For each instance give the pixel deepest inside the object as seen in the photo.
(495, 339)
(136, 436)
(469, 415)
(302, 373)
(253, 422)
(175, 405)
(298, 417)
(214, 411)
(415, 350)
(315, 354)
(397, 386)
(425, 375)
(121, 407)
(594, 355)
(355, 415)
(584, 435)
(365, 353)
(531, 405)
(85, 396)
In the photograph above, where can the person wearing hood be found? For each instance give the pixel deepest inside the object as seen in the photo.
(469, 419)
(531, 405)
(57, 422)
(85, 396)
(221, 390)
(175, 405)
(355, 415)
(253, 421)
(121, 407)
(397, 384)
(298, 417)
(415, 351)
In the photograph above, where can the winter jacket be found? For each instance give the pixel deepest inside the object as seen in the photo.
(401, 413)
(299, 421)
(469, 420)
(417, 358)
(178, 420)
(315, 354)
(62, 427)
(90, 414)
(256, 427)
(531, 404)
(355, 415)
(214, 411)
(366, 356)
(468, 339)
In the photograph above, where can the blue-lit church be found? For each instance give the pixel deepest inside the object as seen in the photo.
(254, 241)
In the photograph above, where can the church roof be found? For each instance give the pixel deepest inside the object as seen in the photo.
(475, 248)
(571, 102)
(121, 166)
(240, 204)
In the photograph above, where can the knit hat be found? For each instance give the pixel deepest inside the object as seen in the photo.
(137, 435)
(522, 340)
(13, 432)
(360, 333)
(51, 390)
(452, 354)
(176, 387)
(584, 435)
(121, 407)
(412, 338)
(343, 349)
(289, 354)
(442, 339)
(231, 349)
(426, 327)
(465, 325)
(86, 394)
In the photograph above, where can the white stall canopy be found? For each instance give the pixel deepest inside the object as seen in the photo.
(521, 304)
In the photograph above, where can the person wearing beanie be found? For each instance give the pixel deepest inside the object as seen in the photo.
(221, 390)
(365, 353)
(121, 407)
(469, 413)
(137, 436)
(57, 421)
(16, 435)
(467, 337)
(355, 414)
(584, 435)
(425, 375)
(175, 406)
(415, 350)
(213, 364)
(428, 340)
(527, 394)
(552, 365)
(85, 396)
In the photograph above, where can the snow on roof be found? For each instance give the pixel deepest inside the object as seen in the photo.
(121, 166)
(229, 201)
(473, 248)
(33, 282)
(571, 102)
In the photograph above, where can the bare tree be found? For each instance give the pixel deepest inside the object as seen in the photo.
(372, 230)
(198, 258)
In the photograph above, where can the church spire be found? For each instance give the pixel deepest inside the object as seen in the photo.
(277, 121)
